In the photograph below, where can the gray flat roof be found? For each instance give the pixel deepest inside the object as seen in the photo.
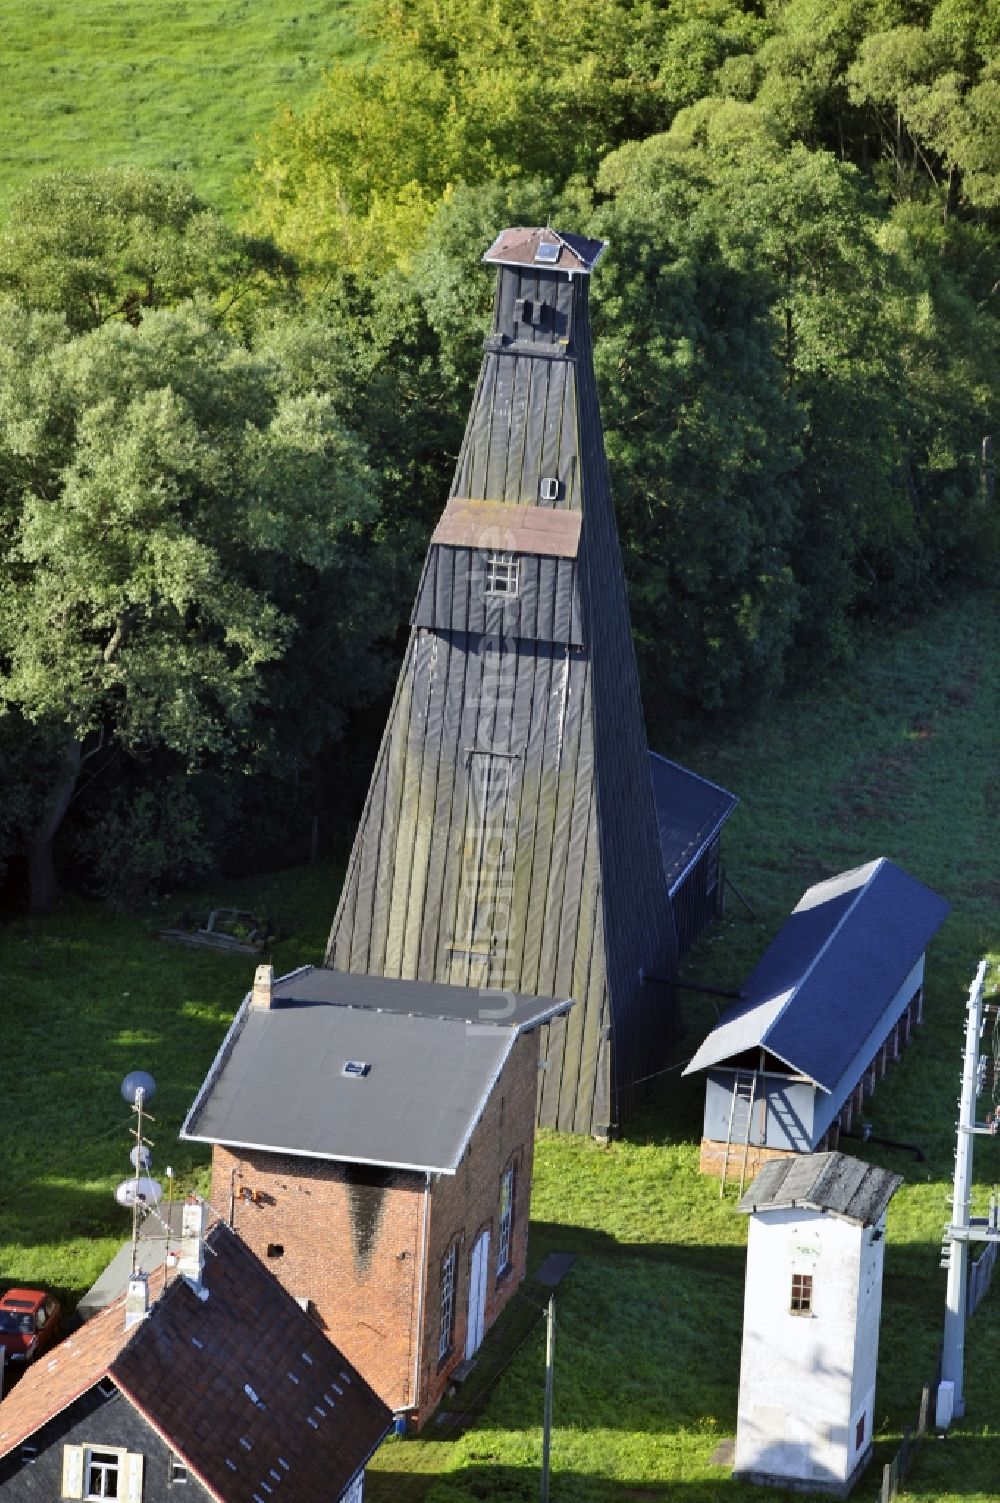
(420, 999)
(278, 1081)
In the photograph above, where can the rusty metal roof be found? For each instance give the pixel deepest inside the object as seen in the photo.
(517, 529)
(831, 1182)
(521, 246)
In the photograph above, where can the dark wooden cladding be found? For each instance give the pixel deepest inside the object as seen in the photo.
(509, 839)
(499, 525)
(452, 597)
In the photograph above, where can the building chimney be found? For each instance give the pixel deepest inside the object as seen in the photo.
(262, 996)
(192, 1254)
(136, 1300)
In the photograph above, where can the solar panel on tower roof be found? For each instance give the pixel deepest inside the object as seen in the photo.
(548, 251)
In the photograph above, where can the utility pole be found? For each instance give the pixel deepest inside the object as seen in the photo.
(953, 1351)
(550, 1354)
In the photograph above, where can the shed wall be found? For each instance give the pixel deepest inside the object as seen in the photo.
(783, 1114)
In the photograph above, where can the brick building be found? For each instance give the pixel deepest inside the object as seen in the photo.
(372, 1143)
(205, 1383)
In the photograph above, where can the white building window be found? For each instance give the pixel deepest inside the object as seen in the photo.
(506, 1219)
(802, 1294)
(99, 1472)
(501, 574)
(102, 1474)
(178, 1470)
(448, 1266)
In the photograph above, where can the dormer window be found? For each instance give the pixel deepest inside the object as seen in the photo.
(501, 574)
(549, 489)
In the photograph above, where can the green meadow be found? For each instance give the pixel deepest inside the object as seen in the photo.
(896, 757)
(178, 85)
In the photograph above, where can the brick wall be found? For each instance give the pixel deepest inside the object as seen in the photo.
(351, 1238)
(466, 1204)
(713, 1156)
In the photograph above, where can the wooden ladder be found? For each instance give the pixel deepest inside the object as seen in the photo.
(740, 1124)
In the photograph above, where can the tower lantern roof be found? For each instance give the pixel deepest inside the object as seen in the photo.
(545, 248)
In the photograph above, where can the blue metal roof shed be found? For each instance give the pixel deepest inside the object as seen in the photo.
(825, 1003)
(690, 813)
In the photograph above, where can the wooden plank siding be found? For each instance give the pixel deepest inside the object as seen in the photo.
(509, 839)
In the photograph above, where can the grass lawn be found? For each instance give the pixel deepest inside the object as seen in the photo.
(181, 85)
(898, 757)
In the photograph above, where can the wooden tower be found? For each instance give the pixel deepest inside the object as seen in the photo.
(509, 840)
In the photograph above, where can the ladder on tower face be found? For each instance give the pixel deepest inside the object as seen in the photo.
(740, 1124)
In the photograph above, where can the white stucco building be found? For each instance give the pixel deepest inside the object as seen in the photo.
(811, 1321)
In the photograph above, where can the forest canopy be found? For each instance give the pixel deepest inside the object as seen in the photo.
(246, 431)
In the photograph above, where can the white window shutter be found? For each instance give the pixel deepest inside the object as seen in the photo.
(72, 1478)
(133, 1478)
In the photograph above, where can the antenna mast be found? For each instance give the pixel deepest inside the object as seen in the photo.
(964, 1228)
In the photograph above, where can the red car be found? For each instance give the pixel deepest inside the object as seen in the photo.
(29, 1321)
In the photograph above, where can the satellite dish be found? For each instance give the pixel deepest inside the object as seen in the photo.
(135, 1081)
(142, 1191)
(141, 1157)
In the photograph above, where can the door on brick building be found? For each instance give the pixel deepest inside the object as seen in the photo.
(478, 1275)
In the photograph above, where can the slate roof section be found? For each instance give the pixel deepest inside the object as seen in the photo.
(519, 246)
(434, 1055)
(822, 985)
(245, 1363)
(690, 812)
(830, 1182)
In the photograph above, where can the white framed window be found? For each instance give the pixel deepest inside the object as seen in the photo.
(178, 1470)
(100, 1472)
(801, 1302)
(506, 1219)
(448, 1266)
(501, 574)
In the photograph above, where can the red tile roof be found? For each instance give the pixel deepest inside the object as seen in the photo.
(69, 1370)
(243, 1384)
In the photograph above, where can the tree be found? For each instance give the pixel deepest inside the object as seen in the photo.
(165, 508)
(702, 437)
(114, 244)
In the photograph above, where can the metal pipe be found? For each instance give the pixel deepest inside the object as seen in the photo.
(698, 986)
(421, 1284)
(550, 1357)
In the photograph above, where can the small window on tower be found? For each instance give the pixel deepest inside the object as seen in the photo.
(802, 1294)
(501, 574)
